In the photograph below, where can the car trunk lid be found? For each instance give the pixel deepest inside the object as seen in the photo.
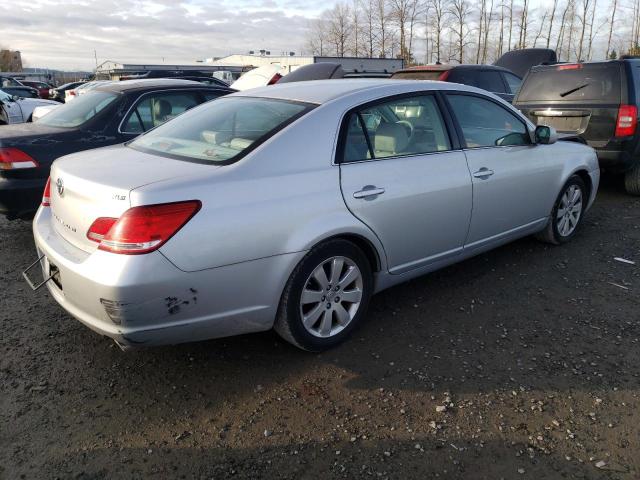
(97, 183)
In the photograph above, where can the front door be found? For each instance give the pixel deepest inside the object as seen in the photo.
(400, 176)
(511, 175)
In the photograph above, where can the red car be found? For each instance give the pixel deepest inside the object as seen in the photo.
(42, 87)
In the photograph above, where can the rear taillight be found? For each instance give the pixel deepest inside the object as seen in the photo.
(14, 159)
(46, 195)
(142, 229)
(100, 227)
(627, 120)
(444, 75)
(274, 79)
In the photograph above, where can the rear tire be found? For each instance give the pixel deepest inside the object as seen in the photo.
(326, 297)
(632, 180)
(567, 213)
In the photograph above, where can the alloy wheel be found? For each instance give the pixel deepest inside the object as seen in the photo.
(331, 297)
(569, 210)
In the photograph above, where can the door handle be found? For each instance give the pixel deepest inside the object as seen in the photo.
(483, 173)
(368, 191)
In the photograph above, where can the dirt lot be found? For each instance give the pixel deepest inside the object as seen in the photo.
(531, 351)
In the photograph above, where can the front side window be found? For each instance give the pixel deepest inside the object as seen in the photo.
(220, 131)
(406, 126)
(487, 124)
(79, 111)
(155, 109)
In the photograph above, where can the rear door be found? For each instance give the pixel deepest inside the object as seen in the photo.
(402, 176)
(511, 175)
(580, 99)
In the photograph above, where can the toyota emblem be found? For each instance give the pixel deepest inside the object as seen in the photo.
(60, 186)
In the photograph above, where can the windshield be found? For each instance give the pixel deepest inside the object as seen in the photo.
(79, 111)
(573, 83)
(221, 131)
(9, 82)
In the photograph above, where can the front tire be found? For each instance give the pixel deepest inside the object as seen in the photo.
(326, 297)
(567, 213)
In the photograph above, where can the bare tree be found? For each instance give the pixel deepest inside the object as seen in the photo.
(460, 12)
(539, 34)
(383, 26)
(487, 29)
(439, 19)
(339, 28)
(483, 6)
(501, 39)
(403, 13)
(593, 20)
(553, 16)
(355, 19)
(583, 20)
(510, 23)
(613, 19)
(524, 20)
(369, 26)
(317, 37)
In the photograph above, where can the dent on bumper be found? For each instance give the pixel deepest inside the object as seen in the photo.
(145, 300)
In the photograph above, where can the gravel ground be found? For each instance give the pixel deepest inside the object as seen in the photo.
(520, 363)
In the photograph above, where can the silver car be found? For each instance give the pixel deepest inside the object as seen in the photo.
(289, 206)
(19, 110)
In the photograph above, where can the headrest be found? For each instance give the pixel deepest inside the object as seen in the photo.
(391, 138)
(162, 108)
(217, 138)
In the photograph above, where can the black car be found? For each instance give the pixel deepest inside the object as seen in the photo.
(112, 113)
(13, 87)
(57, 93)
(600, 101)
(492, 78)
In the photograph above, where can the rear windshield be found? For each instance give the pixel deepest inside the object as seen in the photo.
(573, 83)
(81, 110)
(418, 75)
(221, 131)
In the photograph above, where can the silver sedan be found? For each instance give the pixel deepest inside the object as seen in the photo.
(289, 206)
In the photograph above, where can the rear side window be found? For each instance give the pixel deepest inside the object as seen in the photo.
(596, 83)
(407, 126)
(513, 82)
(486, 124)
(156, 109)
(490, 81)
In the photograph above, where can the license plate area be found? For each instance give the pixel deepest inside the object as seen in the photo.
(50, 273)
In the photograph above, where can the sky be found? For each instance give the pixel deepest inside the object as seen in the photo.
(64, 34)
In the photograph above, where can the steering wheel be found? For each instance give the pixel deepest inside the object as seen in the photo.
(408, 125)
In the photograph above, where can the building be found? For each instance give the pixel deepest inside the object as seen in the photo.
(241, 63)
(290, 62)
(112, 70)
(10, 61)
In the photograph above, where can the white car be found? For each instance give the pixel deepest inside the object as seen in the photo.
(258, 77)
(19, 110)
(82, 89)
(42, 110)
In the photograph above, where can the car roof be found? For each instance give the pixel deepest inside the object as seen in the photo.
(150, 83)
(324, 91)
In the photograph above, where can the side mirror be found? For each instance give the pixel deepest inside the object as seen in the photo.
(545, 135)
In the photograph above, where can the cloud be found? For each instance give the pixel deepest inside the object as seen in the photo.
(64, 34)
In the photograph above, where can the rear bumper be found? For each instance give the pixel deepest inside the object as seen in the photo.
(20, 197)
(618, 156)
(144, 300)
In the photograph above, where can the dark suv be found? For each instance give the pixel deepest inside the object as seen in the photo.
(598, 101)
(498, 80)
